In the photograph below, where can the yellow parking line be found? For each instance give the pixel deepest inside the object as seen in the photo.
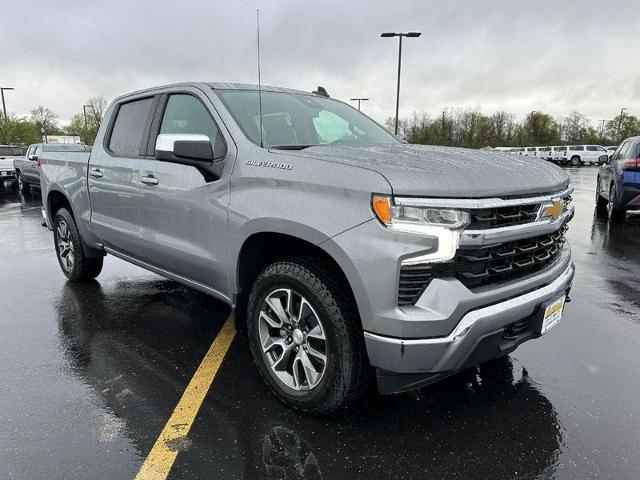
(164, 452)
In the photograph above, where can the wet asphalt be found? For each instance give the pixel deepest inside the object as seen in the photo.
(89, 375)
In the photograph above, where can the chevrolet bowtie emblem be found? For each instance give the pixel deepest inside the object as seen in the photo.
(553, 210)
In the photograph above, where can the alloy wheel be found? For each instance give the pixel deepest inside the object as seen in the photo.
(65, 246)
(293, 339)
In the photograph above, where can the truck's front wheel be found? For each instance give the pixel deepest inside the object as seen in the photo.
(74, 263)
(305, 336)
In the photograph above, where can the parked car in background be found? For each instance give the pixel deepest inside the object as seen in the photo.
(347, 255)
(618, 184)
(7, 172)
(27, 167)
(531, 151)
(577, 155)
(544, 153)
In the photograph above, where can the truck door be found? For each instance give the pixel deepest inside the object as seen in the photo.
(183, 209)
(114, 180)
(29, 172)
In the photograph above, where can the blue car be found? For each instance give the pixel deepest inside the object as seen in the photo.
(618, 188)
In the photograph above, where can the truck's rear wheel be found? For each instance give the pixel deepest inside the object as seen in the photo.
(305, 336)
(616, 214)
(74, 263)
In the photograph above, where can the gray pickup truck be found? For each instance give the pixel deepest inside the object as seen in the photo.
(347, 255)
(27, 166)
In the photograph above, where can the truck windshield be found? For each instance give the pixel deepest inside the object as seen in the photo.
(292, 120)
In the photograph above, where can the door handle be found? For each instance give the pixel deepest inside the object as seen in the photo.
(150, 180)
(96, 172)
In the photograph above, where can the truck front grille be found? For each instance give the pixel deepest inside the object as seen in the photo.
(478, 267)
(508, 216)
(503, 216)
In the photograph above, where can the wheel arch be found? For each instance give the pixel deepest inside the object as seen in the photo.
(265, 247)
(56, 200)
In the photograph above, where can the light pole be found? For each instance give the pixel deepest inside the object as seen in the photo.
(359, 100)
(603, 120)
(4, 111)
(399, 35)
(620, 123)
(84, 111)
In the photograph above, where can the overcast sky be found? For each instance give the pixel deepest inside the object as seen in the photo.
(495, 55)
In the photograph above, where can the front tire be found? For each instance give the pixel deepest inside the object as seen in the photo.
(575, 161)
(73, 261)
(23, 186)
(305, 336)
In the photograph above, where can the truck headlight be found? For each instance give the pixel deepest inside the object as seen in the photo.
(418, 220)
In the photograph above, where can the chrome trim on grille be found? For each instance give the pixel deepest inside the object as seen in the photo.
(480, 203)
(514, 232)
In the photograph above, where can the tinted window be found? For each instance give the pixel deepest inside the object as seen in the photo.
(129, 128)
(592, 148)
(578, 148)
(10, 151)
(186, 114)
(602, 149)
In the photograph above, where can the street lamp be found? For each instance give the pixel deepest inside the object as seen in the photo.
(359, 100)
(399, 35)
(4, 110)
(84, 111)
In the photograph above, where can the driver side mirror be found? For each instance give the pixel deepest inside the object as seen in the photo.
(33, 158)
(191, 149)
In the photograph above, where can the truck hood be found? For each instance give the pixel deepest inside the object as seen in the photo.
(424, 170)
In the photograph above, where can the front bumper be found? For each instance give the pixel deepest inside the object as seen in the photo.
(441, 356)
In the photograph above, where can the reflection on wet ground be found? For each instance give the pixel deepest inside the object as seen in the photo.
(92, 372)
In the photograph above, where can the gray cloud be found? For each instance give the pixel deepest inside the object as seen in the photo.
(550, 56)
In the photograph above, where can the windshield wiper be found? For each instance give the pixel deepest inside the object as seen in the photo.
(290, 147)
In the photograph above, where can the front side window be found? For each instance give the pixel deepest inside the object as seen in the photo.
(592, 148)
(602, 149)
(186, 114)
(129, 128)
(300, 120)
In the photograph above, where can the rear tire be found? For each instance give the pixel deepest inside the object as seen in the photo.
(616, 213)
(23, 186)
(73, 261)
(601, 204)
(344, 374)
(575, 161)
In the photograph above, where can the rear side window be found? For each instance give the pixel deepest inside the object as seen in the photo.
(592, 148)
(579, 148)
(129, 128)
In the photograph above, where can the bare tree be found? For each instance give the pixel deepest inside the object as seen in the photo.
(46, 120)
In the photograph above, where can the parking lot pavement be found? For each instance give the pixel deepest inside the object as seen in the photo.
(90, 375)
